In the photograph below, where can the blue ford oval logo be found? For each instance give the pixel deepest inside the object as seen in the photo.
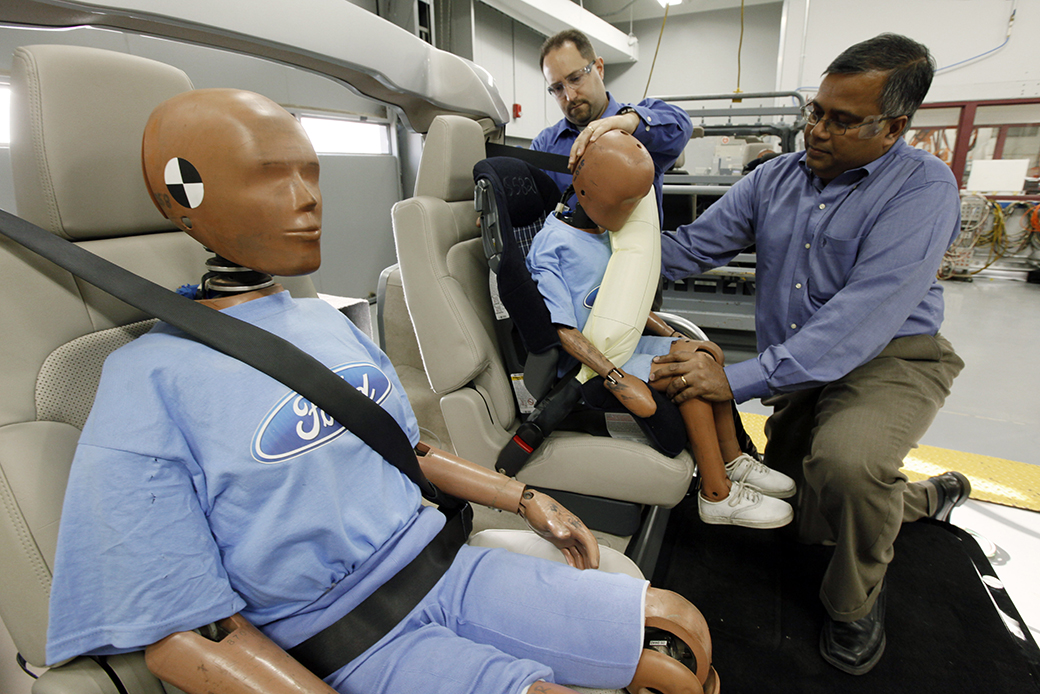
(295, 425)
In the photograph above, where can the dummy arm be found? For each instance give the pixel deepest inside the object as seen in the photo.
(658, 326)
(238, 659)
(630, 391)
(543, 514)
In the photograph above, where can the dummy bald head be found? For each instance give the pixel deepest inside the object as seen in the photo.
(613, 175)
(237, 172)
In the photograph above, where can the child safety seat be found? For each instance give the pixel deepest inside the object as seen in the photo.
(514, 198)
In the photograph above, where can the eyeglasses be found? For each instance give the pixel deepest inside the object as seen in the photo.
(573, 80)
(812, 117)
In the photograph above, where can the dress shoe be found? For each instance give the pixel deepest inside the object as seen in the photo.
(953, 488)
(855, 647)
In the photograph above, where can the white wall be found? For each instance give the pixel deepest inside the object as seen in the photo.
(698, 54)
(786, 46)
(509, 51)
(954, 30)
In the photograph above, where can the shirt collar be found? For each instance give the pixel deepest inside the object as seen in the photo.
(862, 171)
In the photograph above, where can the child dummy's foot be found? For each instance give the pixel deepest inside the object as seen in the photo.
(631, 392)
(759, 477)
(745, 507)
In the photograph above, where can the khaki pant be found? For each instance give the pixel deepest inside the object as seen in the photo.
(844, 443)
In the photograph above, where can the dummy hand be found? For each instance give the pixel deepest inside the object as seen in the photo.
(627, 122)
(559, 526)
(633, 394)
(693, 374)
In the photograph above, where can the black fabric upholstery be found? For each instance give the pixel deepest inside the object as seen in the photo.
(525, 195)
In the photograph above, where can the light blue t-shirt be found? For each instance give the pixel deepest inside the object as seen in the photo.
(568, 265)
(202, 487)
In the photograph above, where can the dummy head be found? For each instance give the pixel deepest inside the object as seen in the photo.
(610, 179)
(237, 172)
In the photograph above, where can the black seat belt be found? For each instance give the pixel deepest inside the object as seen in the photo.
(543, 160)
(307, 376)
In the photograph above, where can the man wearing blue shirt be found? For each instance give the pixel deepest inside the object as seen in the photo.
(849, 235)
(574, 74)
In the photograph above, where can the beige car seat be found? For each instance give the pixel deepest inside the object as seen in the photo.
(446, 286)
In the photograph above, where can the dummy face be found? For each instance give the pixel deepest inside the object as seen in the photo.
(613, 175)
(260, 205)
(582, 96)
(848, 99)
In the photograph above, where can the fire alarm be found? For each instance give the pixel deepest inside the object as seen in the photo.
(517, 111)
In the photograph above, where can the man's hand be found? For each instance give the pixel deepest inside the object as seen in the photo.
(693, 374)
(627, 122)
(550, 520)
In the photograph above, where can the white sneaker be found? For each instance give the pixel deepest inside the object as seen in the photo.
(759, 477)
(745, 507)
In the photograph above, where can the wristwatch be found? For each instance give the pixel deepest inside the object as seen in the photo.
(628, 109)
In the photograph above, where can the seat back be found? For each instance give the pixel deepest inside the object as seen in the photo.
(445, 277)
(77, 119)
(513, 199)
(445, 274)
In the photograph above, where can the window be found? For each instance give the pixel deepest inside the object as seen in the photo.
(341, 136)
(5, 115)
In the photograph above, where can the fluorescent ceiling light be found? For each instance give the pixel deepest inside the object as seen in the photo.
(550, 16)
(665, 3)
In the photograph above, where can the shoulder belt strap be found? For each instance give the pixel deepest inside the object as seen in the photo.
(262, 350)
(543, 160)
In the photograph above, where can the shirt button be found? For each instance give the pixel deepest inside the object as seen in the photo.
(794, 326)
(798, 286)
(649, 119)
(808, 245)
(822, 206)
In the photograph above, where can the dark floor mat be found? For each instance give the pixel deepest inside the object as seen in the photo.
(759, 592)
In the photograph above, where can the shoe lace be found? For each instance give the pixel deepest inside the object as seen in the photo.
(740, 491)
(755, 465)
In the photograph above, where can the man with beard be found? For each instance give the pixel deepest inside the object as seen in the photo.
(574, 74)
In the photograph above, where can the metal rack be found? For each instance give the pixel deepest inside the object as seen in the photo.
(723, 299)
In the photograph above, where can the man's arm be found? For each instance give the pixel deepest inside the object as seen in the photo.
(663, 128)
(895, 267)
(894, 270)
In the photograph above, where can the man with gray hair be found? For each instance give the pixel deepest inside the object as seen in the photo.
(849, 236)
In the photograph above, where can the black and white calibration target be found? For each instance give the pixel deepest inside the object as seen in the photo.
(184, 182)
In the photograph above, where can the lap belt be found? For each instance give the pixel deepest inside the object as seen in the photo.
(360, 629)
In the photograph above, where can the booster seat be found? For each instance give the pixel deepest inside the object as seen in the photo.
(617, 486)
(509, 189)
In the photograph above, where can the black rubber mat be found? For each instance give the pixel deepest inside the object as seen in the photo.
(758, 589)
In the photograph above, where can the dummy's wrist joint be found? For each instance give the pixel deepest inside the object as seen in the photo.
(525, 495)
(612, 378)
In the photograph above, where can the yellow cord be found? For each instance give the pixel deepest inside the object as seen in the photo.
(740, 48)
(647, 90)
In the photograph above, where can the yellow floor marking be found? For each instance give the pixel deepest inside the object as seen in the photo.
(997, 480)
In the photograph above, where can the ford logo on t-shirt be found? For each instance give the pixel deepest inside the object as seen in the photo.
(590, 298)
(295, 425)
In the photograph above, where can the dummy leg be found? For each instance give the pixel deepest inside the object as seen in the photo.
(701, 420)
(679, 659)
(237, 660)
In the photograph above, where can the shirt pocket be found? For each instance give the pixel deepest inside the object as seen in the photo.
(830, 265)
